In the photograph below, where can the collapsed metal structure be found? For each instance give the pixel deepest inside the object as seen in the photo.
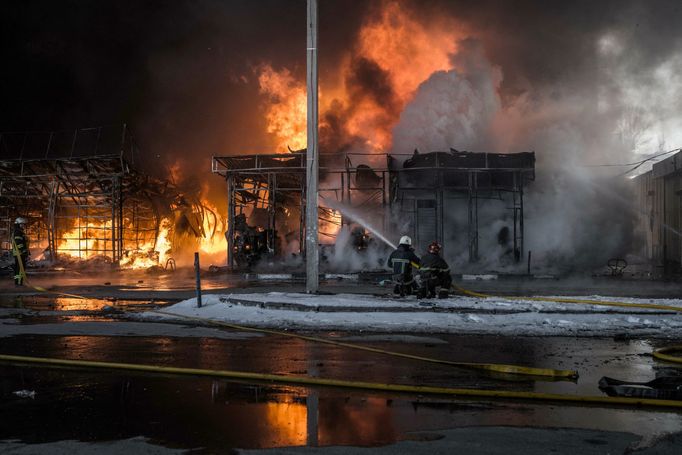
(408, 194)
(78, 190)
(272, 189)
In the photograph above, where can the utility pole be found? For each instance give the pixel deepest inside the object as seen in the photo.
(312, 162)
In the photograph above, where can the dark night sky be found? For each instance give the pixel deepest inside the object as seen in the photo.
(172, 69)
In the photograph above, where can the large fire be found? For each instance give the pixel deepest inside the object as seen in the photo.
(288, 107)
(88, 240)
(393, 54)
(213, 242)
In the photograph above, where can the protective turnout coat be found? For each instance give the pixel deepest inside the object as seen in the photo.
(435, 268)
(20, 242)
(401, 262)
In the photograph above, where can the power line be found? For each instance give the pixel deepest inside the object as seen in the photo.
(635, 164)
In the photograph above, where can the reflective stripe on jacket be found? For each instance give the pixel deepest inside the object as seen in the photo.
(20, 243)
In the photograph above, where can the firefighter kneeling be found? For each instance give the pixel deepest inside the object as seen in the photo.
(434, 273)
(402, 261)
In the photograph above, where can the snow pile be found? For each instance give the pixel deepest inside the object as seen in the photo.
(454, 315)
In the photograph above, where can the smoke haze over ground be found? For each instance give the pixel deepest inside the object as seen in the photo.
(581, 83)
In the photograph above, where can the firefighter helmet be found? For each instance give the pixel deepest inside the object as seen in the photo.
(405, 240)
(20, 220)
(434, 247)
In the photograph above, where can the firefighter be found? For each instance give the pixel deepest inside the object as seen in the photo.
(19, 251)
(434, 273)
(401, 261)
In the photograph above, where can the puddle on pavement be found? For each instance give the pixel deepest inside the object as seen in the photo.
(51, 303)
(190, 412)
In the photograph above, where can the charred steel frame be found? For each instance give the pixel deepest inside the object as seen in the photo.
(443, 176)
(75, 180)
(268, 180)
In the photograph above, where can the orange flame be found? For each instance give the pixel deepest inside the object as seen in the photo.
(406, 49)
(89, 240)
(85, 240)
(286, 115)
(399, 48)
(214, 241)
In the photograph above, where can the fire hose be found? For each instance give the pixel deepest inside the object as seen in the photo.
(312, 381)
(493, 367)
(24, 277)
(661, 354)
(650, 306)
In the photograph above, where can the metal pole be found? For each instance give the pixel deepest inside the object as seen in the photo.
(113, 223)
(311, 225)
(230, 221)
(528, 262)
(197, 270)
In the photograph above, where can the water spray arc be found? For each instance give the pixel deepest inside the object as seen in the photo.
(353, 215)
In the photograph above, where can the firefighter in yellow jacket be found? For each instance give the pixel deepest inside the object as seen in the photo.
(20, 251)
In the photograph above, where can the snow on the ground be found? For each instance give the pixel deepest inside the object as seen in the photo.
(459, 315)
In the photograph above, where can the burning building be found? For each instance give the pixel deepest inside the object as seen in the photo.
(85, 201)
(437, 196)
(430, 196)
(266, 200)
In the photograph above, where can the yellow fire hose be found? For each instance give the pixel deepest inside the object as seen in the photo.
(651, 306)
(494, 367)
(310, 381)
(660, 354)
(497, 368)
(663, 354)
(22, 273)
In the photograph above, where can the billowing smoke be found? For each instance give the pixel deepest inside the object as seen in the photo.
(581, 83)
(577, 214)
(454, 108)
(513, 79)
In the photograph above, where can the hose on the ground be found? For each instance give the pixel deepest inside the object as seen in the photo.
(311, 381)
(664, 354)
(24, 277)
(650, 306)
(493, 367)
(660, 354)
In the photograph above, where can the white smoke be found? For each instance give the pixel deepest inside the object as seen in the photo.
(346, 257)
(577, 215)
(451, 109)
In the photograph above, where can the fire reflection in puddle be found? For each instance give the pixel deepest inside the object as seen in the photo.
(41, 303)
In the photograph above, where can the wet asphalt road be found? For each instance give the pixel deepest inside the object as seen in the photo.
(140, 413)
(218, 416)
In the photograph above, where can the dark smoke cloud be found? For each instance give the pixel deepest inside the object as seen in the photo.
(368, 80)
(180, 73)
(174, 69)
